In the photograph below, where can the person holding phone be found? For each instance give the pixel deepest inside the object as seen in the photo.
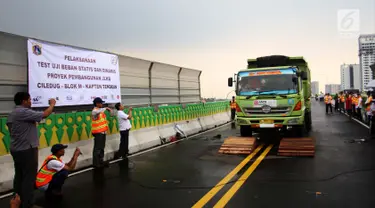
(124, 127)
(55, 171)
(24, 142)
(99, 128)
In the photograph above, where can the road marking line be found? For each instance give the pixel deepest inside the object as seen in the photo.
(152, 149)
(225, 180)
(358, 121)
(230, 193)
(5, 195)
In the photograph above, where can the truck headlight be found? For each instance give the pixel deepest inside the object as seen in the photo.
(293, 121)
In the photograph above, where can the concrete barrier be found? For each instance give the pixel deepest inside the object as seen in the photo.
(186, 128)
(146, 138)
(166, 131)
(139, 140)
(194, 126)
(221, 118)
(209, 122)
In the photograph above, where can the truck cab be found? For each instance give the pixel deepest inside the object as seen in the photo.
(273, 93)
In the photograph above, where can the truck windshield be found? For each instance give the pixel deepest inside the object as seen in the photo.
(279, 81)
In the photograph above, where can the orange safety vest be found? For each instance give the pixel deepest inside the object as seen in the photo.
(342, 97)
(354, 100)
(45, 175)
(327, 99)
(233, 104)
(99, 124)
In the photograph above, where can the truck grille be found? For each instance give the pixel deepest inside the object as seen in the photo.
(276, 110)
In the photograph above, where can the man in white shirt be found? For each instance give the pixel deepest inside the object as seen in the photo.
(124, 127)
(54, 171)
(359, 107)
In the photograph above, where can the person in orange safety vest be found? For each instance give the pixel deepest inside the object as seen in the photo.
(54, 171)
(342, 102)
(233, 106)
(328, 102)
(99, 128)
(354, 104)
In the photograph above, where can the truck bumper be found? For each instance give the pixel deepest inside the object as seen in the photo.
(270, 122)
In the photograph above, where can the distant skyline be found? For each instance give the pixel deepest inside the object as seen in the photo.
(216, 37)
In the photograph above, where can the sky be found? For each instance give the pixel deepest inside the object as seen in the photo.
(214, 36)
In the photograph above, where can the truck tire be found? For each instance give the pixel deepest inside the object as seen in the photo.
(301, 131)
(246, 131)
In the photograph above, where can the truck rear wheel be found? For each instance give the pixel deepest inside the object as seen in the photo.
(246, 131)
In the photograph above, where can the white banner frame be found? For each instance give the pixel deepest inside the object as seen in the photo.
(71, 75)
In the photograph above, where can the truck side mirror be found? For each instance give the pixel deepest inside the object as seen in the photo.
(230, 81)
(304, 75)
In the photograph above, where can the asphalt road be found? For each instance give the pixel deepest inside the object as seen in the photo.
(340, 175)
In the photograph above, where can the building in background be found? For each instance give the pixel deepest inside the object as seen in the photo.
(366, 55)
(314, 88)
(332, 88)
(351, 76)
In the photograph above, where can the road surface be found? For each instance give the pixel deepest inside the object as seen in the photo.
(340, 175)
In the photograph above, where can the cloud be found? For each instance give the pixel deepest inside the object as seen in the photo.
(216, 36)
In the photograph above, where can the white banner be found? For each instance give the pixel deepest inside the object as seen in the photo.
(71, 76)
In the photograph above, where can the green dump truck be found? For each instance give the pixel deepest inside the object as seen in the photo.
(273, 93)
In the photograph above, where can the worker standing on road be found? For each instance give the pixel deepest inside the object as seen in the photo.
(233, 105)
(24, 143)
(342, 102)
(368, 105)
(359, 107)
(348, 105)
(99, 128)
(354, 104)
(124, 127)
(337, 101)
(372, 121)
(54, 171)
(328, 102)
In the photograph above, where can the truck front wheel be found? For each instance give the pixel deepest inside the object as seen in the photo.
(302, 130)
(246, 131)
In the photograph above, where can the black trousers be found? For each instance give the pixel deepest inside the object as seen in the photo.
(58, 180)
(354, 111)
(329, 105)
(359, 113)
(98, 152)
(26, 169)
(372, 127)
(124, 144)
(233, 114)
(342, 106)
